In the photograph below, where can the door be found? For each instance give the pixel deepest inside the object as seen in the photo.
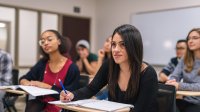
(75, 28)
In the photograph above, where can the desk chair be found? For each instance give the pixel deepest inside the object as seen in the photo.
(166, 98)
(84, 80)
(10, 98)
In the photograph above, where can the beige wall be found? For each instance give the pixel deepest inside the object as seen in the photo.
(88, 9)
(111, 13)
(105, 14)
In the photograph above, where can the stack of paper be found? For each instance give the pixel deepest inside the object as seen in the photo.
(103, 105)
(32, 90)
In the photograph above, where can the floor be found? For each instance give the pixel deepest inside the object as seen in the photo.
(20, 104)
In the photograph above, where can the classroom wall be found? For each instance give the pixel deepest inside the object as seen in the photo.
(88, 9)
(112, 13)
(105, 15)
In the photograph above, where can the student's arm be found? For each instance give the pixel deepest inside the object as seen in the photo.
(99, 81)
(6, 70)
(147, 91)
(167, 70)
(189, 86)
(101, 55)
(36, 73)
(90, 67)
(163, 77)
(177, 73)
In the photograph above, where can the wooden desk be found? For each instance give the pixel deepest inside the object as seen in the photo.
(82, 109)
(20, 92)
(188, 93)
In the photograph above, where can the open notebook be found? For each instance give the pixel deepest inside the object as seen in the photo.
(103, 105)
(32, 90)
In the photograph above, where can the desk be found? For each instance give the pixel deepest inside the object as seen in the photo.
(82, 109)
(14, 91)
(188, 93)
(20, 92)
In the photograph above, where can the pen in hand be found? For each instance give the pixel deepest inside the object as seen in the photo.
(62, 86)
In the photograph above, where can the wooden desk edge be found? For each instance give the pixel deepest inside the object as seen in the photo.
(15, 91)
(188, 93)
(82, 109)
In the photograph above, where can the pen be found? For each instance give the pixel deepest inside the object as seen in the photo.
(62, 86)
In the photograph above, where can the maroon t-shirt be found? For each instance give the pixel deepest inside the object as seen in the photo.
(51, 78)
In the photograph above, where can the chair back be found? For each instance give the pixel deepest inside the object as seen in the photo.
(15, 76)
(166, 98)
(84, 80)
(10, 98)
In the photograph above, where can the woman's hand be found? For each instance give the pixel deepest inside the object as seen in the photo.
(66, 97)
(101, 53)
(173, 83)
(25, 82)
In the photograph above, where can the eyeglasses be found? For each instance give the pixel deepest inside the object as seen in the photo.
(180, 48)
(43, 41)
(121, 44)
(193, 38)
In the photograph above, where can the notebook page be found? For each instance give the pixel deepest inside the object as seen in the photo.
(74, 103)
(106, 105)
(36, 91)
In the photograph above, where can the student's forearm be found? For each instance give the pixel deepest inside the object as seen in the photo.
(24, 82)
(89, 68)
(189, 86)
(163, 77)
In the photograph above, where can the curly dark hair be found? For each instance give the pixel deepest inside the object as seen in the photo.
(62, 47)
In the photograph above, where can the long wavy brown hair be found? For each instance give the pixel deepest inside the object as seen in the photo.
(134, 48)
(189, 56)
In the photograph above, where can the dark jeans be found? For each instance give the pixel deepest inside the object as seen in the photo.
(35, 105)
(184, 106)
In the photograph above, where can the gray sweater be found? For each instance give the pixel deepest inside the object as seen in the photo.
(191, 80)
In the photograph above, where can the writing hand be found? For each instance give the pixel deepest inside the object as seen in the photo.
(66, 97)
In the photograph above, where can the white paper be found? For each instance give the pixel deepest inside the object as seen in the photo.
(103, 105)
(75, 103)
(10, 87)
(36, 91)
(106, 105)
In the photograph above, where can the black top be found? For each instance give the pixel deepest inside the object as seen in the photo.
(71, 81)
(145, 101)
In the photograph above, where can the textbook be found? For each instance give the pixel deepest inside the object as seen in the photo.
(102, 105)
(32, 90)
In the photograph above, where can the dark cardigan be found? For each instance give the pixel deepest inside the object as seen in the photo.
(71, 81)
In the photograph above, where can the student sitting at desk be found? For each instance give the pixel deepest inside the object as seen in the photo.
(5, 74)
(45, 74)
(188, 69)
(86, 61)
(181, 47)
(129, 79)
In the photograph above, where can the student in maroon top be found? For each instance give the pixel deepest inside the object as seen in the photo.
(51, 67)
